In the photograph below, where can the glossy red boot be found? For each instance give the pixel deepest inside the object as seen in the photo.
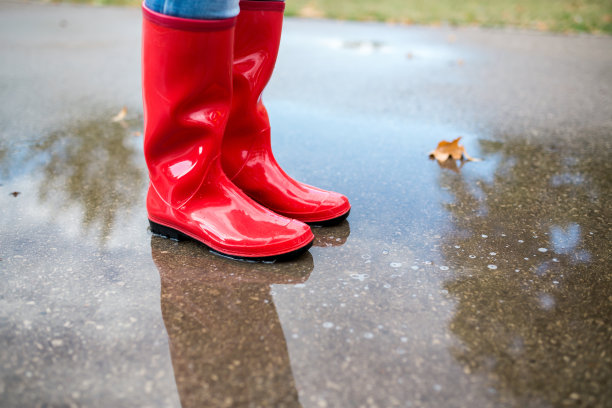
(187, 90)
(246, 153)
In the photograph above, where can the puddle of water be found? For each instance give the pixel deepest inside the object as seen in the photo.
(91, 170)
(537, 293)
(465, 277)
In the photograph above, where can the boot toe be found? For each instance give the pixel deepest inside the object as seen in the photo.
(263, 240)
(335, 205)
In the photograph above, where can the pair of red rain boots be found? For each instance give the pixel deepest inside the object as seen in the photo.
(207, 138)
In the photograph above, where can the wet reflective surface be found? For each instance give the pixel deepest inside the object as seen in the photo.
(480, 285)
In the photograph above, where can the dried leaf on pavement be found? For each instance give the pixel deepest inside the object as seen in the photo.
(121, 115)
(452, 150)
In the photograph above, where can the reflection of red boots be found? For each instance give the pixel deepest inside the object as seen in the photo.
(187, 89)
(246, 154)
(226, 341)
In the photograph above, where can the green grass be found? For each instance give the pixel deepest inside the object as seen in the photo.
(566, 16)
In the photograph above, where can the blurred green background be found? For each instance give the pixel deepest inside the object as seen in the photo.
(565, 16)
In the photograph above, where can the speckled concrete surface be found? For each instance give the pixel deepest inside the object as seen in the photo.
(484, 285)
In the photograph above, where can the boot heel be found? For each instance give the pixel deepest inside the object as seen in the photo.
(167, 232)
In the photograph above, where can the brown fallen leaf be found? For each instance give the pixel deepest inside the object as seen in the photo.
(15, 193)
(121, 115)
(453, 150)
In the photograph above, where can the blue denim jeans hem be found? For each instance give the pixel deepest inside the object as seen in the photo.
(196, 9)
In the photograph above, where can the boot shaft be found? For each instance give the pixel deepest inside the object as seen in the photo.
(187, 91)
(257, 39)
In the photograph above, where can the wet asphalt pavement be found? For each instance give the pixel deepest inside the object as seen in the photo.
(486, 284)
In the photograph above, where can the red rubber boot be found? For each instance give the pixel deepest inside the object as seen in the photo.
(187, 90)
(246, 153)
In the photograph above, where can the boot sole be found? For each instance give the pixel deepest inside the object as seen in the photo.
(177, 235)
(329, 223)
